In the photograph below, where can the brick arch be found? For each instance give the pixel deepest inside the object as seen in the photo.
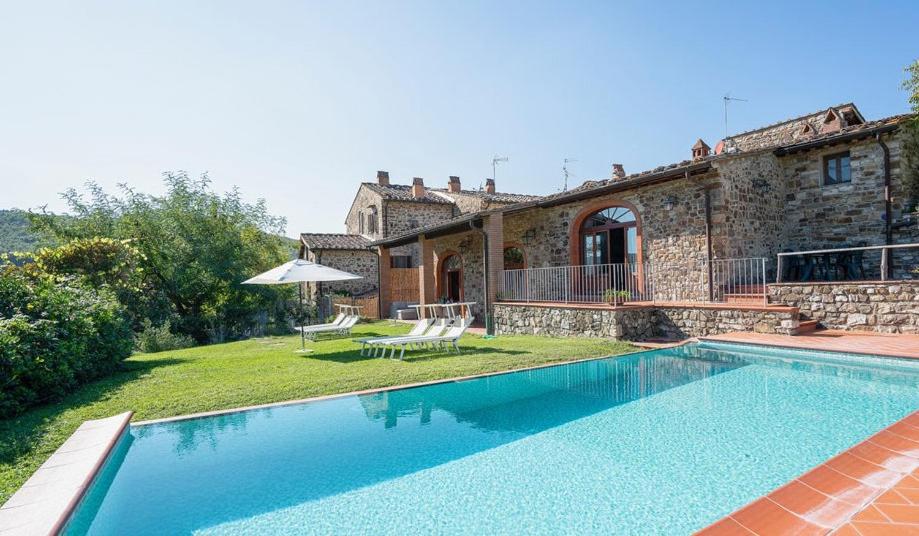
(438, 272)
(574, 231)
(518, 246)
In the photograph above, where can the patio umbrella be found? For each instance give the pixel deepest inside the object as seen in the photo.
(300, 271)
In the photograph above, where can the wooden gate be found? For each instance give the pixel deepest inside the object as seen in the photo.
(403, 285)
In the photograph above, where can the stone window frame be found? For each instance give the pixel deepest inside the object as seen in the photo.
(837, 156)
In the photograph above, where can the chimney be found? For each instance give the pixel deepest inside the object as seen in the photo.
(417, 187)
(489, 186)
(454, 186)
(700, 150)
(383, 178)
(618, 172)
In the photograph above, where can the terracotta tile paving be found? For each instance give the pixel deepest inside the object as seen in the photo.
(894, 345)
(872, 488)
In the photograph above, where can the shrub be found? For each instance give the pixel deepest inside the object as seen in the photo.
(159, 339)
(55, 336)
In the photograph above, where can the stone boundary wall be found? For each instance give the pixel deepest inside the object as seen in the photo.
(886, 307)
(638, 323)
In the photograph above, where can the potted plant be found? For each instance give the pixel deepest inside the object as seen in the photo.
(616, 297)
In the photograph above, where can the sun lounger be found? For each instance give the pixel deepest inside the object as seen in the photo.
(338, 320)
(418, 329)
(438, 328)
(342, 329)
(451, 337)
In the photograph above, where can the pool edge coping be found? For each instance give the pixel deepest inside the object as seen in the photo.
(780, 510)
(58, 498)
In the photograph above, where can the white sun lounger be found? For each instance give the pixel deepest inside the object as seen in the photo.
(344, 328)
(437, 328)
(450, 337)
(338, 320)
(419, 329)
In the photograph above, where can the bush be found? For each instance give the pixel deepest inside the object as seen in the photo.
(55, 336)
(159, 339)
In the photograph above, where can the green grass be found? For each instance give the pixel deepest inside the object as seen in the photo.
(260, 371)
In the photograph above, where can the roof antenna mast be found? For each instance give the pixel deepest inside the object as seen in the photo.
(727, 98)
(565, 171)
(495, 160)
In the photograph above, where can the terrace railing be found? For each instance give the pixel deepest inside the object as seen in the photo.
(849, 264)
(718, 281)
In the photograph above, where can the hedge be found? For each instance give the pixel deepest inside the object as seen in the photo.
(54, 336)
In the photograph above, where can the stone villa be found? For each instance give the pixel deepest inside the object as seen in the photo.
(690, 248)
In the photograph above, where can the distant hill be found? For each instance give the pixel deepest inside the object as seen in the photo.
(15, 234)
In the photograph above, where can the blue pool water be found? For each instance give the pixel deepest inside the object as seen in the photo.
(661, 442)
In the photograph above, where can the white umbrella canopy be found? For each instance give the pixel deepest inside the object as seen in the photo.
(300, 271)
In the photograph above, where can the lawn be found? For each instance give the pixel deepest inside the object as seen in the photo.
(259, 371)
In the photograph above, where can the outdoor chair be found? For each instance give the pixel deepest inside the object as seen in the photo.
(338, 320)
(446, 341)
(343, 329)
(418, 329)
(437, 329)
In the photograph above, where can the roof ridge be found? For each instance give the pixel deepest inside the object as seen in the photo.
(791, 120)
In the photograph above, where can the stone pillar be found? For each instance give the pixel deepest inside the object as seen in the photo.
(494, 228)
(427, 292)
(385, 281)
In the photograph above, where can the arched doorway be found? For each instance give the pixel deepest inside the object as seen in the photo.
(609, 236)
(451, 278)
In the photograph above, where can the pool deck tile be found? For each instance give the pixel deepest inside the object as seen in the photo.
(872, 488)
(44, 503)
(885, 344)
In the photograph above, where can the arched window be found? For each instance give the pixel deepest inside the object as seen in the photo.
(514, 258)
(372, 227)
(451, 278)
(609, 236)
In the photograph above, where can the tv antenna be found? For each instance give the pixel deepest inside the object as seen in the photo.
(494, 165)
(727, 98)
(565, 171)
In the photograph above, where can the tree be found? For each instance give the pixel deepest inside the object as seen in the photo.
(195, 247)
(911, 138)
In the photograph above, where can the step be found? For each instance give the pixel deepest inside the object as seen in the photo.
(806, 326)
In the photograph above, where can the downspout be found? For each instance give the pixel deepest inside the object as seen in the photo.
(888, 225)
(489, 327)
(708, 242)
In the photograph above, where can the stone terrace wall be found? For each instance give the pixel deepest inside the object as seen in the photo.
(887, 307)
(625, 323)
(637, 323)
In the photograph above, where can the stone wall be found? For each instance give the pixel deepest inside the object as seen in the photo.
(362, 263)
(888, 307)
(363, 200)
(749, 207)
(670, 235)
(638, 323)
(405, 216)
(632, 323)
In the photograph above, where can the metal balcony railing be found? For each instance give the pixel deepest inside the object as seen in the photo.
(717, 281)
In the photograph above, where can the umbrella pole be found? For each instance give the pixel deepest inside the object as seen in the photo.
(302, 334)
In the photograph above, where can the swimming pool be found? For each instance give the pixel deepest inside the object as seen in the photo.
(660, 442)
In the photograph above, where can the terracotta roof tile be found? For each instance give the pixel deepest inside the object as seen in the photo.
(334, 241)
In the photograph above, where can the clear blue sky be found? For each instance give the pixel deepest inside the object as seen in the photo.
(297, 102)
